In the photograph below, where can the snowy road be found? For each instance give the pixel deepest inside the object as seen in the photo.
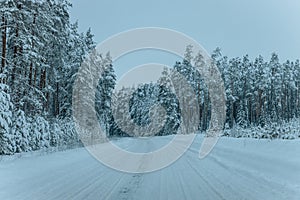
(236, 169)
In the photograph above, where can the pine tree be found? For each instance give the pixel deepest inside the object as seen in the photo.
(20, 130)
(104, 94)
(55, 134)
(7, 140)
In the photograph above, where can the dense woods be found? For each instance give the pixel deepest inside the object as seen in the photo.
(41, 52)
(259, 94)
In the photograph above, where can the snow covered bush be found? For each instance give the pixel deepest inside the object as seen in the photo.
(55, 134)
(69, 134)
(20, 130)
(287, 130)
(7, 141)
(40, 133)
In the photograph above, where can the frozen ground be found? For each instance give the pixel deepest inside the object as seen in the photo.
(236, 169)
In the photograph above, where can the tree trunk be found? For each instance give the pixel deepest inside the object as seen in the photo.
(34, 78)
(15, 56)
(32, 46)
(57, 101)
(3, 56)
(259, 105)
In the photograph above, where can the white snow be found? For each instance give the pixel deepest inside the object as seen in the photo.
(235, 169)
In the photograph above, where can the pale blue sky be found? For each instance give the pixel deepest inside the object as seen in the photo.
(237, 26)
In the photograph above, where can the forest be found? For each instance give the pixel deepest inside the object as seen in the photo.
(42, 51)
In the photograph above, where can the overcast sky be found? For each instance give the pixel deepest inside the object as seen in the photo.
(239, 27)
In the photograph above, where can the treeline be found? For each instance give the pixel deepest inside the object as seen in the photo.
(41, 51)
(259, 93)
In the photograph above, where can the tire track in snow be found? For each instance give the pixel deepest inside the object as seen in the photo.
(128, 190)
(254, 178)
(241, 175)
(211, 186)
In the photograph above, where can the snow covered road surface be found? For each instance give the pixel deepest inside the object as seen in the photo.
(235, 169)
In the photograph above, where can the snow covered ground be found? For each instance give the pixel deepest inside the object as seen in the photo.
(235, 169)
